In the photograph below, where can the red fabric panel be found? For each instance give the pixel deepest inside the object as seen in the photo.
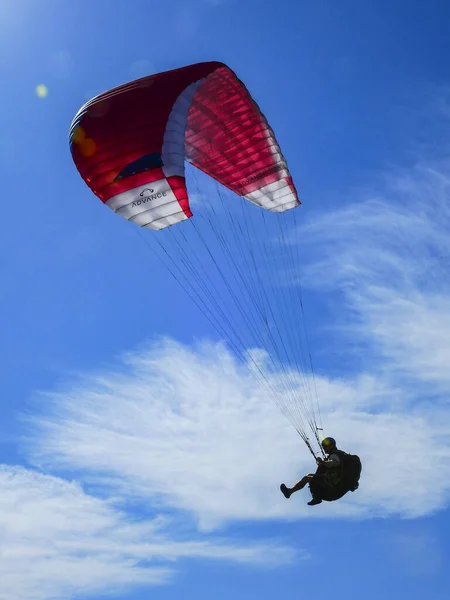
(121, 125)
(228, 137)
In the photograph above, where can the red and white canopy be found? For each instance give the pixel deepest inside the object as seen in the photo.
(130, 143)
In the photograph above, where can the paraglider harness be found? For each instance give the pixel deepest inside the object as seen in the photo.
(350, 471)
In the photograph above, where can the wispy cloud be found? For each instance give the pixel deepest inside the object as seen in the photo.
(58, 541)
(188, 429)
(390, 255)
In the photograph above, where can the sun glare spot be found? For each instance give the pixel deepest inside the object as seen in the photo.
(41, 90)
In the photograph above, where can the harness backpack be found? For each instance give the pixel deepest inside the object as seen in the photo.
(351, 469)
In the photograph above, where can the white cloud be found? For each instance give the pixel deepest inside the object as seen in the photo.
(391, 256)
(57, 541)
(184, 426)
(188, 429)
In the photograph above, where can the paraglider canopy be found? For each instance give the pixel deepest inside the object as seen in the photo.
(130, 144)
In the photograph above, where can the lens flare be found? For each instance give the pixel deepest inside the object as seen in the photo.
(41, 90)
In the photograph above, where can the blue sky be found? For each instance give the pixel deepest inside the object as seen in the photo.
(110, 478)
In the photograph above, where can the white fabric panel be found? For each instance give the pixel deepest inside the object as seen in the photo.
(293, 202)
(273, 196)
(148, 203)
(124, 198)
(167, 221)
(173, 151)
(153, 214)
